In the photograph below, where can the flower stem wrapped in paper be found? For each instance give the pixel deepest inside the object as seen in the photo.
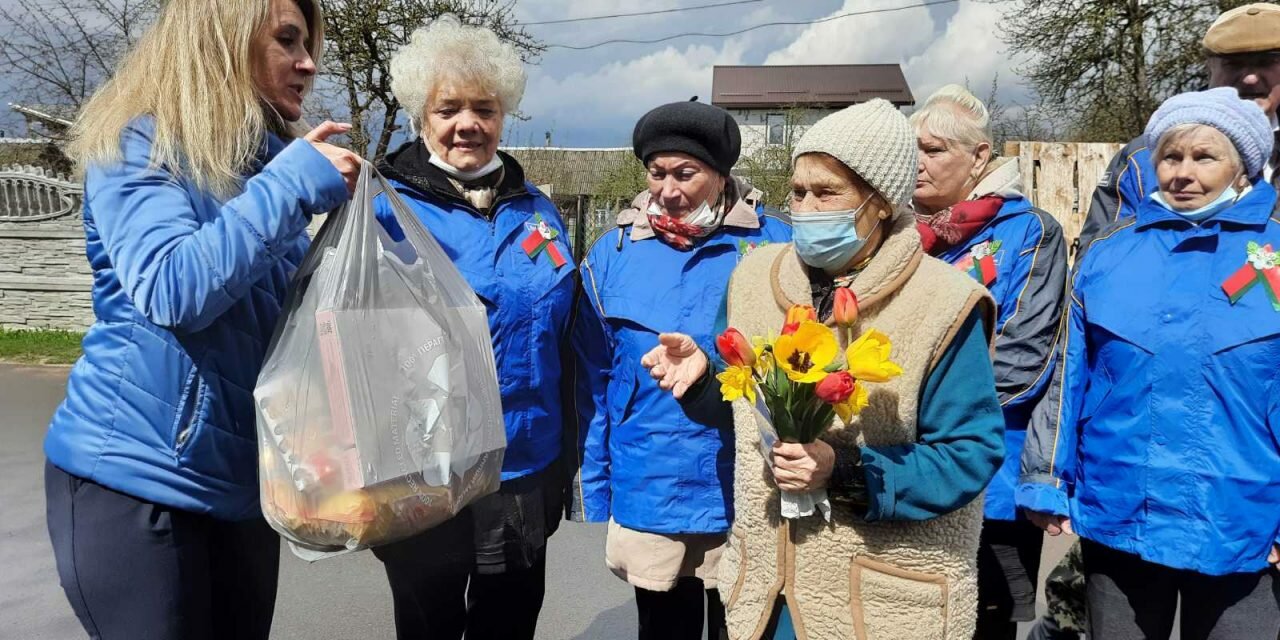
(378, 408)
(798, 384)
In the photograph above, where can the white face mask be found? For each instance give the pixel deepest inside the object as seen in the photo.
(704, 217)
(466, 176)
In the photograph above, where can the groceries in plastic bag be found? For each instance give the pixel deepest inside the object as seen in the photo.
(377, 407)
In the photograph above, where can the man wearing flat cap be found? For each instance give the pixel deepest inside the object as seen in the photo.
(1242, 50)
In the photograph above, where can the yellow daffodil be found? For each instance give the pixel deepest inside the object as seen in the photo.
(736, 382)
(764, 354)
(853, 405)
(868, 358)
(805, 354)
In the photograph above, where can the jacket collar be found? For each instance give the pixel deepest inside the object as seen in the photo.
(742, 215)
(1254, 209)
(410, 165)
(1002, 178)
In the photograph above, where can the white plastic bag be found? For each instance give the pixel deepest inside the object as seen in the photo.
(377, 407)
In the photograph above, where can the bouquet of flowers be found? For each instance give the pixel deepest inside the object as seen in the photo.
(798, 384)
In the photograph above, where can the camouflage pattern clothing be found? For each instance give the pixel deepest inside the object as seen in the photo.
(1065, 596)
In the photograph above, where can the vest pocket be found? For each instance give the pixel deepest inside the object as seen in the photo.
(732, 561)
(890, 602)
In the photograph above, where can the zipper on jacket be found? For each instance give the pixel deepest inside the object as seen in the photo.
(186, 423)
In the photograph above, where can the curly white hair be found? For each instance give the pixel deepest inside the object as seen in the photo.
(447, 50)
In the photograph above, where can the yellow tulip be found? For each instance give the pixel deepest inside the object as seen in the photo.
(805, 354)
(736, 382)
(868, 358)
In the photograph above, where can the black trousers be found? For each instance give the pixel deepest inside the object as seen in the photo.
(678, 614)
(133, 569)
(438, 593)
(1132, 599)
(1008, 571)
(482, 573)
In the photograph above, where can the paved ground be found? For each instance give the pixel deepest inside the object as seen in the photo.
(344, 597)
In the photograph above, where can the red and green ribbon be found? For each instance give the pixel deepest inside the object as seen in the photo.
(984, 270)
(982, 262)
(1258, 269)
(542, 238)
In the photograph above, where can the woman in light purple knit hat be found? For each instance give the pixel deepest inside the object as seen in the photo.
(1159, 443)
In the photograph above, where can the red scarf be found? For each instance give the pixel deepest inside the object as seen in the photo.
(955, 224)
(680, 235)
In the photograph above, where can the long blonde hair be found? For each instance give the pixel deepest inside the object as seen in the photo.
(192, 71)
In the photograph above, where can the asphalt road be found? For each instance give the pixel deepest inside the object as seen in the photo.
(345, 597)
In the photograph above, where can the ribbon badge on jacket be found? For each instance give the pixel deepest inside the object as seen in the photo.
(542, 238)
(981, 262)
(1260, 267)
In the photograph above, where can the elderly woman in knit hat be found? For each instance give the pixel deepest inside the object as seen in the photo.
(1159, 445)
(897, 558)
(971, 213)
(484, 571)
(660, 476)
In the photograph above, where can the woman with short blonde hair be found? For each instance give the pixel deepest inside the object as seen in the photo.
(971, 213)
(197, 197)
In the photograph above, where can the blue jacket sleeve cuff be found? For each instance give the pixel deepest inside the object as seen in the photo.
(1042, 498)
(880, 487)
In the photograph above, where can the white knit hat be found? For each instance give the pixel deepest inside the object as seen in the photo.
(873, 139)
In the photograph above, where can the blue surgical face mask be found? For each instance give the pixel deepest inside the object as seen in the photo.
(1224, 200)
(828, 240)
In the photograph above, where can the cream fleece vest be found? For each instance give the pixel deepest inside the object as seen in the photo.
(850, 578)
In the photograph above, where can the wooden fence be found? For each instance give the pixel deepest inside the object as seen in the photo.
(1060, 177)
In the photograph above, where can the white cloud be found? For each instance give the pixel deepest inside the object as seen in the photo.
(613, 96)
(933, 50)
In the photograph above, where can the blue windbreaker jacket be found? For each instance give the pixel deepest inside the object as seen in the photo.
(1030, 285)
(1160, 436)
(528, 300)
(643, 460)
(1129, 180)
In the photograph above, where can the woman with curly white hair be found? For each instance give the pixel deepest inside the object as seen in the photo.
(483, 572)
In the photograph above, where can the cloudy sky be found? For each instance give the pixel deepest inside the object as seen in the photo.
(592, 98)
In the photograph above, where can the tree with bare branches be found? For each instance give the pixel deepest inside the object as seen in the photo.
(59, 51)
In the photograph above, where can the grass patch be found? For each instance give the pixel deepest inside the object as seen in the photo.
(39, 346)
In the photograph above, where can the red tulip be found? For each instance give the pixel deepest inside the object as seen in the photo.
(845, 312)
(835, 388)
(735, 349)
(795, 315)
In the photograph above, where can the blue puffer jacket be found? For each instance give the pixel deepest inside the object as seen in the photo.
(1160, 436)
(1030, 258)
(186, 290)
(528, 299)
(643, 460)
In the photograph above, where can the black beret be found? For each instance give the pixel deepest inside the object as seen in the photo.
(703, 131)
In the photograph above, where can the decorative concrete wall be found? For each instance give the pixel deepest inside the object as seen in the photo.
(45, 279)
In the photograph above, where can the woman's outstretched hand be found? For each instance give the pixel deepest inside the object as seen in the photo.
(676, 363)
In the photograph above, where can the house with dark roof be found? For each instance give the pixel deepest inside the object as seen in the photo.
(775, 103)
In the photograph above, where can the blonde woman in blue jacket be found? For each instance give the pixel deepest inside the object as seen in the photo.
(197, 197)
